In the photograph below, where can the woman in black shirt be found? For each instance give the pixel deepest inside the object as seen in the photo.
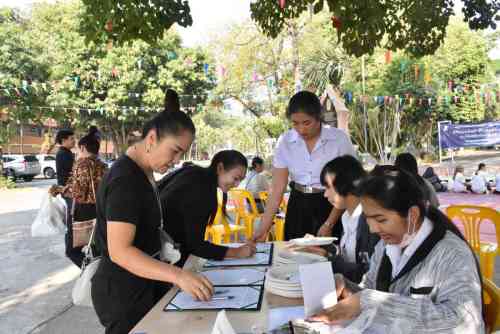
(125, 286)
(189, 199)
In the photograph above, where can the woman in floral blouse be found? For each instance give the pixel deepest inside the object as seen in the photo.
(87, 173)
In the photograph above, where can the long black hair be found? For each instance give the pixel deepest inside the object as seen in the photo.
(397, 190)
(170, 123)
(229, 159)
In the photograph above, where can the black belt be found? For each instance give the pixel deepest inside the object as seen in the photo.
(306, 189)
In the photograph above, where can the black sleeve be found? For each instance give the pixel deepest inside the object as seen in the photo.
(353, 271)
(194, 208)
(122, 201)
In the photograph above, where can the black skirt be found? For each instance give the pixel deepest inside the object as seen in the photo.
(306, 213)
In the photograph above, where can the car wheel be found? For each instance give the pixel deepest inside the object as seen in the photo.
(11, 175)
(49, 173)
(28, 178)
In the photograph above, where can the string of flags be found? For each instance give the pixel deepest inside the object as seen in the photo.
(488, 97)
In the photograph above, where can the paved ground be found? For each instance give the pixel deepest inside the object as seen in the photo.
(36, 278)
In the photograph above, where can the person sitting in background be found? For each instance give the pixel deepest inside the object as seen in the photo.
(423, 276)
(433, 179)
(256, 182)
(408, 162)
(497, 185)
(459, 184)
(340, 178)
(478, 184)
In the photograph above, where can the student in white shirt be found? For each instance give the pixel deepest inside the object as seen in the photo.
(480, 184)
(352, 257)
(423, 277)
(256, 182)
(300, 155)
(459, 184)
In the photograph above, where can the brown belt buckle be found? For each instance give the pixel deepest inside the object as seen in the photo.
(308, 189)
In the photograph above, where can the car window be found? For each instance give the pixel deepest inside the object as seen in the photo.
(50, 158)
(30, 158)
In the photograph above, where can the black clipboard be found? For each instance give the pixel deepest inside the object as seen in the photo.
(254, 306)
(220, 264)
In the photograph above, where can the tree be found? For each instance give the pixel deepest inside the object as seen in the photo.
(418, 27)
(115, 87)
(127, 20)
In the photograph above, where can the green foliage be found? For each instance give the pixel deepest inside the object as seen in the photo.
(5, 183)
(115, 88)
(129, 20)
(418, 27)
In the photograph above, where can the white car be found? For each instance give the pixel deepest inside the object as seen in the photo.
(17, 166)
(48, 165)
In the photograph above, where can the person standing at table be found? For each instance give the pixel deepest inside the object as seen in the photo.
(128, 281)
(300, 155)
(189, 199)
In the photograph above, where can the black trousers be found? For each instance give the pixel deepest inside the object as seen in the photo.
(73, 253)
(306, 213)
(122, 299)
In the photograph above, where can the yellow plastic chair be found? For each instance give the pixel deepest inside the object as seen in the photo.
(246, 210)
(279, 220)
(471, 217)
(221, 230)
(491, 305)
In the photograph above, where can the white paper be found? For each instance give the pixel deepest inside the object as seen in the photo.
(261, 246)
(239, 297)
(244, 276)
(222, 324)
(262, 257)
(318, 287)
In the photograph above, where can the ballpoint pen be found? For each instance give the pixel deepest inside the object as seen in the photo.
(223, 298)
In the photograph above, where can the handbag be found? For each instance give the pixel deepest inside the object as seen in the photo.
(83, 229)
(81, 293)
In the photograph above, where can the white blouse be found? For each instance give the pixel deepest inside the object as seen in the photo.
(304, 167)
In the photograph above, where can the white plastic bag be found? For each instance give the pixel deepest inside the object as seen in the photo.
(50, 218)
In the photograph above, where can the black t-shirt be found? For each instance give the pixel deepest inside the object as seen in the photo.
(126, 195)
(64, 165)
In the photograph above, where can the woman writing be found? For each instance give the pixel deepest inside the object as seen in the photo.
(300, 155)
(189, 197)
(128, 220)
(423, 277)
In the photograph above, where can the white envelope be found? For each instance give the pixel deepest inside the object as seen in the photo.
(318, 286)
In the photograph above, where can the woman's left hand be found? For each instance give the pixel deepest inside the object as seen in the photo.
(346, 309)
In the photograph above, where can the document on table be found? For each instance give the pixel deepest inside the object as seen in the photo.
(244, 298)
(318, 286)
(243, 276)
(263, 257)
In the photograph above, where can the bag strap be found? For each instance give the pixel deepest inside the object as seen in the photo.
(91, 239)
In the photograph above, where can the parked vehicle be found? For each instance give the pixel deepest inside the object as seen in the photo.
(17, 166)
(48, 165)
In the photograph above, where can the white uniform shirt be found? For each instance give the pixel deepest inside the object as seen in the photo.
(478, 184)
(458, 184)
(303, 167)
(348, 240)
(255, 183)
(399, 258)
(497, 183)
